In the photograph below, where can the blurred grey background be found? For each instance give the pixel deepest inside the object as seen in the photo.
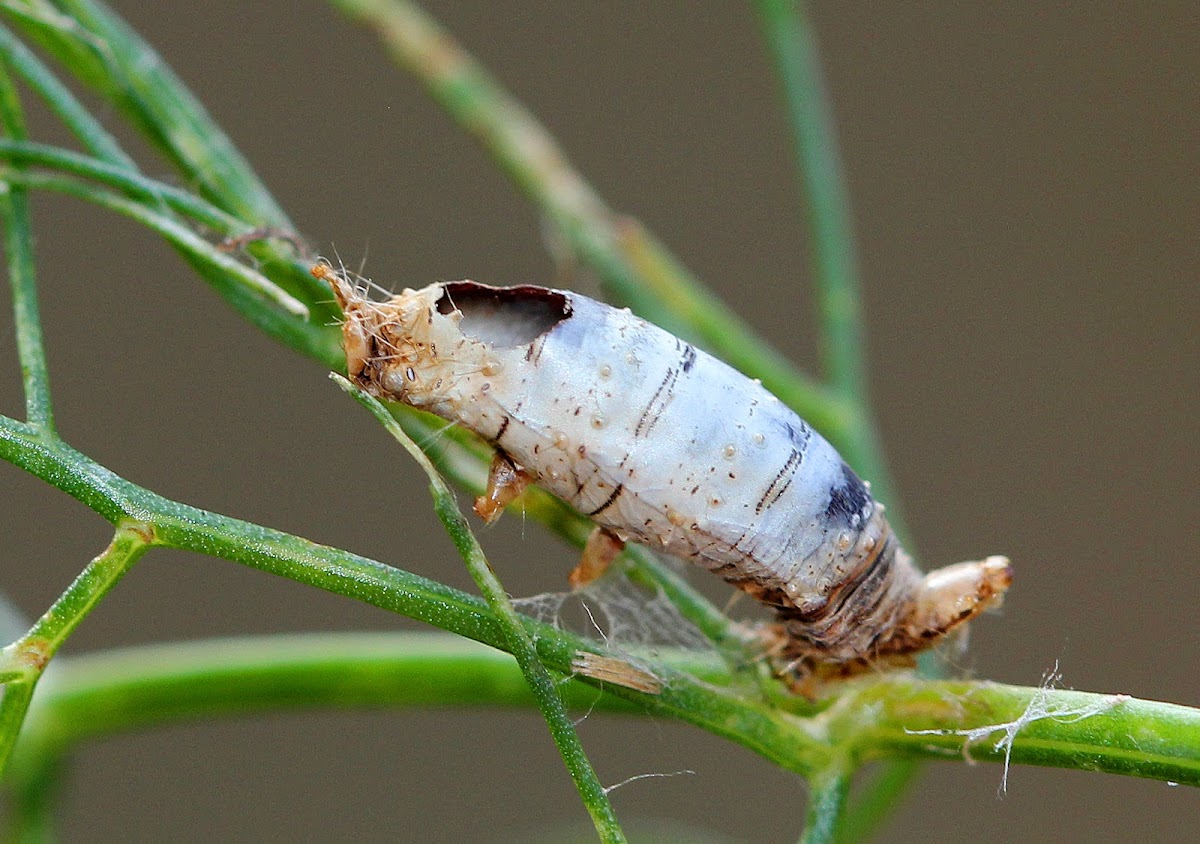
(1026, 202)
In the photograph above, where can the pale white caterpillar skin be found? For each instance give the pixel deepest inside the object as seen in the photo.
(664, 445)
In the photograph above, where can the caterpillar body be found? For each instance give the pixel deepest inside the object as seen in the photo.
(662, 444)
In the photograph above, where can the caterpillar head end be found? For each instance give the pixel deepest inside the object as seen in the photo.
(356, 325)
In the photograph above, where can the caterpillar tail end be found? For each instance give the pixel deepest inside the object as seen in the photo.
(955, 594)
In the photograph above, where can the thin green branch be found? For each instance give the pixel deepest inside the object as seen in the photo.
(819, 168)
(22, 662)
(120, 690)
(176, 234)
(14, 704)
(18, 246)
(78, 120)
(865, 815)
(125, 179)
(100, 695)
(904, 717)
(793, 46)
(33, 800)
(269, 247)
(103, 52)
(27, 657)
(826, 803)
(520, 645)
(635, 266)
(757, 724)
(129, 689)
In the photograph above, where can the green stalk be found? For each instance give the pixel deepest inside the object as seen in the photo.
(865, 815)
(520, 645)
(123, 690)
(826, 804)
(756, 724)
(120, 690)
(176, 234)
(78, 120)
(821, 173)
(18, 246)
(22, 662)
(258, 298)
(1052, 727)
(127, 180)
(819, 167)
(103, 694)
(107, 55)
(266, 245)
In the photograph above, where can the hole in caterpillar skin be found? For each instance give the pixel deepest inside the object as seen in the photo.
(504, 317)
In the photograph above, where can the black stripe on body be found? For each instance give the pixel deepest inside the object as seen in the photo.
(608, 501)
(662, 396)
(646, 422)
(689, 358)
(781, 482)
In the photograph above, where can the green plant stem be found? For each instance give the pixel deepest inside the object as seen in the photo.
(119, 690)
(33, 800)
(519, 644)
(821, 174)
(635, 266)
(27, 657)
(113, 59)
(865, 814)
(107, 55)
(819, 167)
(793, 46)
(22, 662)
(893, 717)
(122, 690)
(125, 179)
(94, 137)
(289, 273)
(826, 803)
(18, 246)
(14, 705)
(133, 688)
(757, 724)
(176, 234)
(258, 298)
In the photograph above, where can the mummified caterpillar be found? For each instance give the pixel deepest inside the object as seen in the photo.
(661, 444)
